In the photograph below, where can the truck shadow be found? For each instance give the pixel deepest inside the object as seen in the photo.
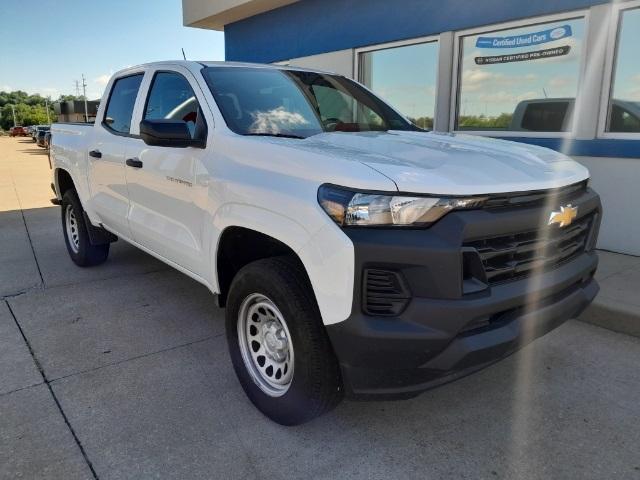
(34, 151)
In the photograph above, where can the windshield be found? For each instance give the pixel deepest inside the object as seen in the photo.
(264, 101)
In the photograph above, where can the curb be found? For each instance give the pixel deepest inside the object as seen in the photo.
(614, 316)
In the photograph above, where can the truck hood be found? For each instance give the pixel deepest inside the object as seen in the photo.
(453, 164)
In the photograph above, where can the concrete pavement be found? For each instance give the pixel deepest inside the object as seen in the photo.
(122, 371)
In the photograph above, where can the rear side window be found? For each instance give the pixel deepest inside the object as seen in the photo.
(121, 103)
(623, 120)
(172, 98)
(545, 117)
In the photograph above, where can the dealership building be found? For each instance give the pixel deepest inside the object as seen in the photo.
(562, 74)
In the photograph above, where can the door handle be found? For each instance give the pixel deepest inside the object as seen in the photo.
(95, 154)
(134, 162)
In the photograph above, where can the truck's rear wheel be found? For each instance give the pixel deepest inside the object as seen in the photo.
(279, 348)
(76, 237)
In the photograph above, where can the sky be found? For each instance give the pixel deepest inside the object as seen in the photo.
(48, 44)
(45, 49)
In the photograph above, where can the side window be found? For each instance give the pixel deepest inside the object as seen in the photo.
(406, 77)
(121, 102)
(334, 105)
(545, 116)
(624, 104)
(623, 120)
(532, 69)
(172, 98)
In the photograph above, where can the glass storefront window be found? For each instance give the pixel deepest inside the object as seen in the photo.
(405, 77)
(624, 105)
(520, 79)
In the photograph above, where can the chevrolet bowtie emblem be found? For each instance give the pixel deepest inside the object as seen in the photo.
(564, 217)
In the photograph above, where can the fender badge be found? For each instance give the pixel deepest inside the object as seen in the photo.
(180, 181)
(564, 217)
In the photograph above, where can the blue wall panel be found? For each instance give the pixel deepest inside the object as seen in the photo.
(309, 27)
(600, 147)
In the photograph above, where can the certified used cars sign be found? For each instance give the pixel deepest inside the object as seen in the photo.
(525, 40)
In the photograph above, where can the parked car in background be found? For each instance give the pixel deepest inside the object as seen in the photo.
(36, 129)
(40, 134)
(356, 254)
(556, 115)
(18, 131)
(47, 140)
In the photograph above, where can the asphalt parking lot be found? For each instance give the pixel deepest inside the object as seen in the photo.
(121, 371)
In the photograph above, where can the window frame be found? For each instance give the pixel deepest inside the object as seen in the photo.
(115, 80)
(608, 82)
(499, 27)
(435, 39)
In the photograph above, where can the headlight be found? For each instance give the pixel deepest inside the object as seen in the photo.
(348, 208)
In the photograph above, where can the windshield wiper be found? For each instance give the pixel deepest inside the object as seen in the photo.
(280, 135)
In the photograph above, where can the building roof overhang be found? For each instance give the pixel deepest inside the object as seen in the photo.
(215, 14)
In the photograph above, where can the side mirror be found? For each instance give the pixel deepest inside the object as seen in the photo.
(168, 133)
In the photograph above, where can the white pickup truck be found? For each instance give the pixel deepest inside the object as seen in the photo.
(355, 253)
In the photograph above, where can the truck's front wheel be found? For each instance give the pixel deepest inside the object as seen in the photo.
(76, 237)
(279, 348)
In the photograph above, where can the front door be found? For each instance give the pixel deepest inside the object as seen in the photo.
(167, 214)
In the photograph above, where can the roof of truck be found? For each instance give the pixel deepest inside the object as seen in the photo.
(197, 65)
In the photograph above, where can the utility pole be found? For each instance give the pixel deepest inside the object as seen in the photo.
(84, 93)
(77, 88)
(46, 105)
(13, 110)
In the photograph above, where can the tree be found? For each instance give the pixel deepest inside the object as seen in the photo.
(482, 122)
(30, 109)
(423, 122)
(68, 98)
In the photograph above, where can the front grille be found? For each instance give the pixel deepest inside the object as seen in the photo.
(385, 293)
(511, 257)
(536, 197)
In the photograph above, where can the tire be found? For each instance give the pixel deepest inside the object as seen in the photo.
(76, 237)
(315, 385)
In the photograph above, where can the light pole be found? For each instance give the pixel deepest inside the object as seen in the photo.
(84, 93)
(46, 105)
(13, 110)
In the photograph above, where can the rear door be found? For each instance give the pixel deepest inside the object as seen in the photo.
(168, 204)
(113, 135)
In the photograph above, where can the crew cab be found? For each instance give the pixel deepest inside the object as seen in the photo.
(355, 253)
(556, 115)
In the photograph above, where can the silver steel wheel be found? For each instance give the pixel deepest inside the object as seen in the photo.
(265, 344)
(71, 224)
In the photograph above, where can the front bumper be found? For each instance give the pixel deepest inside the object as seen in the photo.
(445, 333)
